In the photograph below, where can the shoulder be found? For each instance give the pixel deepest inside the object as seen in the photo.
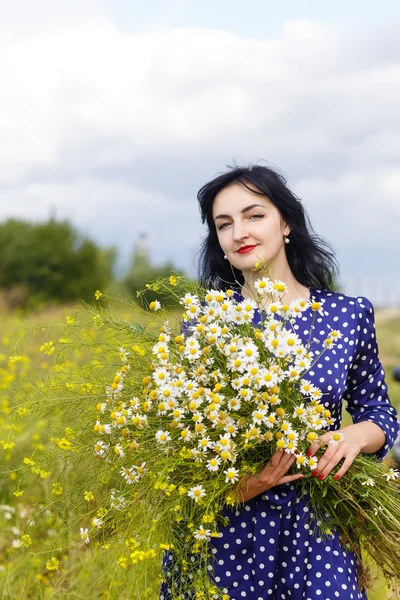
(359, 305)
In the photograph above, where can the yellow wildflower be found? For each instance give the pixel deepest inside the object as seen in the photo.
(98, 320)
(16, 358)
(57, 489)
(98, 294)
(26, 541)
(52, 564)
(47, 348)
(88, 496)
(122, 562)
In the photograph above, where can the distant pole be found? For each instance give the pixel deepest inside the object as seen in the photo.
(396, 373)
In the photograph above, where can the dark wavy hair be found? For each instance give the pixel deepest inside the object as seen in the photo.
(310, 258)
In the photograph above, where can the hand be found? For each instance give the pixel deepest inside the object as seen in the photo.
(351, 443)
(274, 473)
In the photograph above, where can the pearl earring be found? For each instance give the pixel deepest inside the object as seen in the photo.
(287, 241)
(225, 257)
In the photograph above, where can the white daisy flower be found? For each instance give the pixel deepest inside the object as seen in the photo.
(189, 299)
(369, 482)
(197, 492)
(117, 502)
(318, 306)
(316, 394)
(104, 428)
(119, 451)
(192, 311)
(279, 288)
(186, 434)
(130, 475)
(160, 348)
(231, 427)
(163, 436)
(297, 307)
(232, 475)
(306, 387)
(392, 474)
(155, 305)
(259, 416)
(100, 448)
(213, 463)
(249, 353)
(301, 461)
(192, 348)
(302, 364)
(97, 522)
(235, 363)
(84, 533)
(299, 410)
(234, 404)
(123, 354)
(335, 334)
(134, 402)
(336, 438)
(202, 534)
(161, 375)
(215, 296)
(205, 443)
(264, 285)
(274, 308)
(267, 378)
(139, 420)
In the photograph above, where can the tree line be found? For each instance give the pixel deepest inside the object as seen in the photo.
(51, 262)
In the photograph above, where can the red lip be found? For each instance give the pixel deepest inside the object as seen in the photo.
(245, 249)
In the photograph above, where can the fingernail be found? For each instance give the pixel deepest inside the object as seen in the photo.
(321, 477)
(336, 477)
(309, 453)
(314, 474)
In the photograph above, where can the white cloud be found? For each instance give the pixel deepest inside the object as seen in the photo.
(91, 116)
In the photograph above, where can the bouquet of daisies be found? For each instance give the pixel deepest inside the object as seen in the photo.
(190, 413)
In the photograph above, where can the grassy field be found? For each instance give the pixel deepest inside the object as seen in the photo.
(84, 572)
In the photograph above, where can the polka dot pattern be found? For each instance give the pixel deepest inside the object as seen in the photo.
(271, 548)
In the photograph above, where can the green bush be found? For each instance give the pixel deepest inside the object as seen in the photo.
(50, 262)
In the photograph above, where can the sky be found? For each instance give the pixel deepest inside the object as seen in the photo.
(114, 113)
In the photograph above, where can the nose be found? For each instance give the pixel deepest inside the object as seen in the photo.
(240, 231)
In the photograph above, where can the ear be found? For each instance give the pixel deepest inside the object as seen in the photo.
(285, 228)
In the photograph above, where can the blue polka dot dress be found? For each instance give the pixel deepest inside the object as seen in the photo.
(270, 549)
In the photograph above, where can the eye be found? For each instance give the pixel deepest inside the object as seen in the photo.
(256, 217)
(222, 226)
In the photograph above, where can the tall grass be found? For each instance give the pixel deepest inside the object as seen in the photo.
(84, 572)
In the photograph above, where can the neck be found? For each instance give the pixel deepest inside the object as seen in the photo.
(295, 289)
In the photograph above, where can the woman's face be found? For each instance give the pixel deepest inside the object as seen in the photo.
(250, 228)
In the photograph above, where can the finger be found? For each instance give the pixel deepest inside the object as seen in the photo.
(335, 460)
(289, 478)
(321, 441)
(348, 461)
(285, 464)
(276, 458)
(329, 455)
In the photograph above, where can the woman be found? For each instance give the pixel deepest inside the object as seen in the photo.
(271, 549)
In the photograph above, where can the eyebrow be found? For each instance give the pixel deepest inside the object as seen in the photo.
(244, 210)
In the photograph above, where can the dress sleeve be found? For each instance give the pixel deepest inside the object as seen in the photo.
(367, 393)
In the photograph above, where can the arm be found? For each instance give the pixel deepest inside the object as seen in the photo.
(375, 425)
